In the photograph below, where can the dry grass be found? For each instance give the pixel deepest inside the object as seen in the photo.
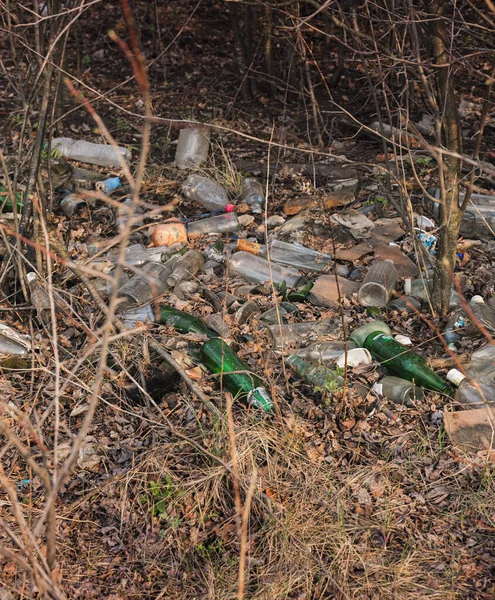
(317, 529)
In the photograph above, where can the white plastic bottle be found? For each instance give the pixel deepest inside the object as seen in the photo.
(102, 155)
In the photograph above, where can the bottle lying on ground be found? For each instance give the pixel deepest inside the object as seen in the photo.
(397, 359)
(461, 324)
(324, 352)
(295, 335)
(186, 267)
(206, 192)
(318, 375)
(236, 375)
(399, 390)
(167, 315)
(87, 152)
(475, 388)
(257, 269)
(226, 223)
(149, 283)
(298, 256)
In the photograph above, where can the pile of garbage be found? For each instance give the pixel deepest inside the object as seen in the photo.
(307, 255)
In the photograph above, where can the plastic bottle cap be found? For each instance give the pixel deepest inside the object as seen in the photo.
(230, 208)
(378, 388)
(478, 300)
(31, 276)
(455, 377)
(403, 339)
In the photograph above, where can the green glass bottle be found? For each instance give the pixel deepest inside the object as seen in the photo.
(397, 359)
(319, 375)
(182, 321)
(4, 193)
(219, 358)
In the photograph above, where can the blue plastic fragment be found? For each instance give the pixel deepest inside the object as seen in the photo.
(109, 185)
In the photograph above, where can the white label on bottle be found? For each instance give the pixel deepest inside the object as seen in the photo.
(259, 398)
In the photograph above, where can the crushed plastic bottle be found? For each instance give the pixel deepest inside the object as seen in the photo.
(252, 194)
(122, 214)
(461, 325)
(40, 298)
(206, 192)
(192, 147)
(87, 152)
(137, 255)
(476, 388)
(257, 269)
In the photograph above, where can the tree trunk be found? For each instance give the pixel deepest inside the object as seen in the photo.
(449, 168)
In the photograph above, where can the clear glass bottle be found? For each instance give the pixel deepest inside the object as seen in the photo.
(192, 147)
(324, 352)
(476, 388)
(87, 152)
(206, 192)
(137, 255)
(378, 284)
(422, 289)
(12, 343)
(295, 335)
(252, 194)
(226, 223)
(148, 284)
(399, 390)
(257, 269)
(186, 267)
(361, 333)
(319, 376)
(298, 256)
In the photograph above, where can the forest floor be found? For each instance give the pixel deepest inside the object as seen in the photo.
(343, 495)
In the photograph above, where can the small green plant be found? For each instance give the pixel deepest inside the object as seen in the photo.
(161, 494)
(86, 61)
(423, 161)
(377, 200)
(212, 549)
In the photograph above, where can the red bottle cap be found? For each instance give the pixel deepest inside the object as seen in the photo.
(230, 208)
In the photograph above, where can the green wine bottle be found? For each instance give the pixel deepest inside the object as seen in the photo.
(406, 364)
(7, 207)
(319, 375)
(182, 321)
(219, 358)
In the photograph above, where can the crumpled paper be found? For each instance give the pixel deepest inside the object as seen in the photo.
(359, 225)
